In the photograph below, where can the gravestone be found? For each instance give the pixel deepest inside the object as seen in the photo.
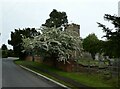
(97, 56)
(86, 55)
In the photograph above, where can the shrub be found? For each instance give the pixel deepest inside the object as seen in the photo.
(4, 54)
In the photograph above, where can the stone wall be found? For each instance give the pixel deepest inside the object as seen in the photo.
(36, 58)
(28, 58)
(69, 67)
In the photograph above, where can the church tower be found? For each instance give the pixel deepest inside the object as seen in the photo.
(73, 27)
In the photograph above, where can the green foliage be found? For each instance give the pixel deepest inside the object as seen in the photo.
(4, 54)
(112, 35)
(54, 44)
(11, 53)
(91, 44)
(16, 39)
(4, 50)
(4, 47)
(57, 19)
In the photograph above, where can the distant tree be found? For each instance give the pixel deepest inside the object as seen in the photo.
(4, 50)
(16, 39)
(57, 19)
(10, 53)
(91, 44)
(113, 36)
(4, 54)
(4, 47)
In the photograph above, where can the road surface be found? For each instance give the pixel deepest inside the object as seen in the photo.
(15, 76)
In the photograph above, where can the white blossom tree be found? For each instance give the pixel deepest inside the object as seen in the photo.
(54, 44)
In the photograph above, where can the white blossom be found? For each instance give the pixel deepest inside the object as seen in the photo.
(54, 41)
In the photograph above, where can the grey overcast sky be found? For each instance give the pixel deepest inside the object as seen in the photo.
(32, 13)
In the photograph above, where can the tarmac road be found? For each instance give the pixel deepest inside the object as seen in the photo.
(15, 76)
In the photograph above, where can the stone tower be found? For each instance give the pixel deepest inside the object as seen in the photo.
(73, 27)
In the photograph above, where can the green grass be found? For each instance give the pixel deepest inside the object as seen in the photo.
(91, 62)
(93, 80)
(88, 61)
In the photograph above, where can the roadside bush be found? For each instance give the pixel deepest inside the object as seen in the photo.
(10, 53)
(4, 54)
